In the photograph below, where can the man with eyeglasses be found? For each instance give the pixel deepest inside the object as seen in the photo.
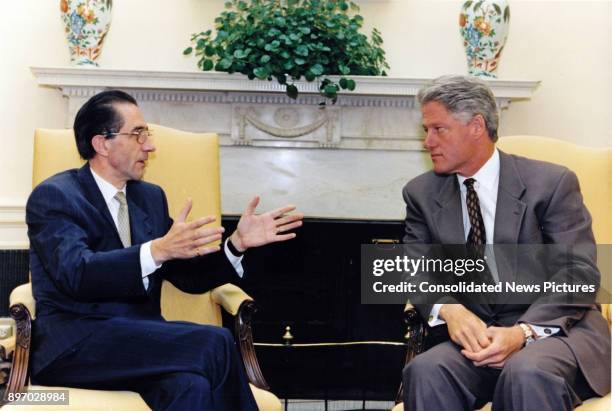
(97, 282)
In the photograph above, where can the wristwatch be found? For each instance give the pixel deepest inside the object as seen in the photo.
(527, 333)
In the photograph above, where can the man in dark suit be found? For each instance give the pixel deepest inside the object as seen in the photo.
(101, 244)
(522, 357)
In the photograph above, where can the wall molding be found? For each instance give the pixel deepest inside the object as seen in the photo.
(13, 230)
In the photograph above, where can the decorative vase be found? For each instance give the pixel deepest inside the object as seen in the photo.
(484, 27)
(86, 23)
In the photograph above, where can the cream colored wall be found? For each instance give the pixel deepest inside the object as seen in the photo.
(565, 44)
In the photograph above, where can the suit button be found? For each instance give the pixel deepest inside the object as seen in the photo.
(547, 331)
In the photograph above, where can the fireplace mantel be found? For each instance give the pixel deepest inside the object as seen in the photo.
(379, 114)
(348, 160)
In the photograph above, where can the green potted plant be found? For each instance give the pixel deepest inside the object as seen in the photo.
(290, 39)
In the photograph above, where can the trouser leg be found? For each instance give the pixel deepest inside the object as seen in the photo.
(130, 354)
(543, 376)
(177, 392)
(442, 379)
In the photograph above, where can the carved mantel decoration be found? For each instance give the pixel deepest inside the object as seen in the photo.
(348, 160)
(286, 126)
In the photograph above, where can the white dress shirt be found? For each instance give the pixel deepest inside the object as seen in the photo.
(486, 186)
(147, 263)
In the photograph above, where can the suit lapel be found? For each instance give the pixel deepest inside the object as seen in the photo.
(140, 223)
(509, 214)
(94, 196)
(510, 209)
(449, 218)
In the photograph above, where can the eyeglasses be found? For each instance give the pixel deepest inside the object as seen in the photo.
(142, 135)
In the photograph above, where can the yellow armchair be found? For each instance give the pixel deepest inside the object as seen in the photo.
(185, 165)
(593, 166)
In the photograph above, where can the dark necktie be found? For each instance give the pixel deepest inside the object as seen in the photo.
(477, 237)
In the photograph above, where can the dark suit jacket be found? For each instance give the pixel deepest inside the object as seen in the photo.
(537, 203)
(81, 274)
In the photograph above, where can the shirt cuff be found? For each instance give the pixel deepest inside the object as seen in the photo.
(434, 318)
(543, 332)
(147, 263)
(235, 261)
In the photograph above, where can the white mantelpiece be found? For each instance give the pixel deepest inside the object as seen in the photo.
(346, 160)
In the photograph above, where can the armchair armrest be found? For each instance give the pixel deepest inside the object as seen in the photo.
(241, 305)
(7, 347)
(230, 297)
(415, 336)
(23, 295)
(18, 369)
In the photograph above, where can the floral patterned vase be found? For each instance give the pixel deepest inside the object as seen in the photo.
(86, 23)
(484, 28)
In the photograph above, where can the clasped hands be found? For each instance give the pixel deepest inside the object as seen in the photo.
(484, 346)
(191, 239)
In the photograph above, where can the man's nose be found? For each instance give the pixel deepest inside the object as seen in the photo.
(148, 146)
(429, 141)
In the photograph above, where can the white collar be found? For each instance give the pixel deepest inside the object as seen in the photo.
(487, 175)
(107, 189)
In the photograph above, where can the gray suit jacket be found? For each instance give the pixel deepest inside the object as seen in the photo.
(537, 203)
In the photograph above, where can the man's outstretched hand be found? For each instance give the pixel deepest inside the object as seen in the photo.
(186, 239)
(255, 230)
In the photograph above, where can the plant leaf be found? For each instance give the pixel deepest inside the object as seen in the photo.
(207, 65)
(188, 50)
(292, 91)
(261, 72)
(330, 91)
(225, 63)
(301, 51)
(317, 69)
(281, 78)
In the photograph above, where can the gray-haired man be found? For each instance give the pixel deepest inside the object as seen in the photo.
(522, 357)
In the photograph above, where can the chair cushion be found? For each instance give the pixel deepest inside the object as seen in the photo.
(98, 400)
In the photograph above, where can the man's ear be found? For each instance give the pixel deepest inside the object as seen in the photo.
(99, 143)
(478, 126)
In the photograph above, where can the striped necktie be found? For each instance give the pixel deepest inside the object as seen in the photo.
(477, 237)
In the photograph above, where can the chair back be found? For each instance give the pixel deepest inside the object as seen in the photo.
(185, 165)
(593, 166)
